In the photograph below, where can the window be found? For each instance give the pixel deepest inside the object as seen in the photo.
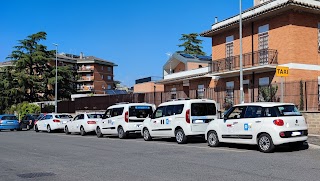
(236, 113)
(140, 111)
(264, 81)
(263, 87)
(263, 44)
(203, 109)
(229, 52)
(160, 112)
(174, 110)
(229, 93)
(109, 86)
(94, 116)
(107, 114)
(288, 110)
(253, 112)
(200, 91)
(47, 117)
(173, 93)
(109, 69)
(269, 112)
(109, 77)
(9, 118)
(117, 111)
(62, 116)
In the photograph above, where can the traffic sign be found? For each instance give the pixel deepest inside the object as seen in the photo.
(282, 71)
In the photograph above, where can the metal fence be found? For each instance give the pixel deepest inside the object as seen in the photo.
(304, 94)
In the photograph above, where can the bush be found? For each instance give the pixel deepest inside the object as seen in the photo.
(23, 108)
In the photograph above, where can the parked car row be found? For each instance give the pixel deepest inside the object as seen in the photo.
(264, 124)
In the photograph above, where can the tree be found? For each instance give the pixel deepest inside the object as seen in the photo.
(268, 93)
(191, 44)
(24, 108)
(31, 61)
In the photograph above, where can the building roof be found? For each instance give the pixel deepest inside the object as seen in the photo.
(261, 10)
(176, 58)
(93, 59)
(6, 64)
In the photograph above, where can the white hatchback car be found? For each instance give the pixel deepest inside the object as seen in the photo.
(265, 124)
(123, 119)
(83, 123)
(51, 122)
(180, 119)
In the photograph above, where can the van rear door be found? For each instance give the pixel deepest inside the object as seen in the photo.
(201, 114)
(138, 113)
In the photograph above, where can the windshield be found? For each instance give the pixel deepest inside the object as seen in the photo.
(288, 110)
(140, 111)
(95, 116)
(62, 116)
(9, 118)
(203, 109)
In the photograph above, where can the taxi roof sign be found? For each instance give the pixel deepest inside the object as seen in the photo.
(282, 71)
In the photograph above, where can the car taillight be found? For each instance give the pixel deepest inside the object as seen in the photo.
(126, 116)
(91, 122)
(281, 134)
(56, 121)
(0, 121)
(278, 122)
(188, 116)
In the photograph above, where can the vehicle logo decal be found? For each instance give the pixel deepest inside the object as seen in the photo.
(167, 121)
(246, 126)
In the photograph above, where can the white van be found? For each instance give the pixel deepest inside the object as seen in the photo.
(180, 119)
(123, 119)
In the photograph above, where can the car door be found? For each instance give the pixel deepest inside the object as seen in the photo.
(157, 122)
(77, 123)
(45, 121)
(250, 124)
(71, 124)
(106, 122)
(230, 124)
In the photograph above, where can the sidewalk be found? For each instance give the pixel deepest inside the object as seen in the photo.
(314, 139)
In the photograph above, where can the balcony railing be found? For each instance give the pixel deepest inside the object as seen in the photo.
(255, 59)
(85, 88)
(83, 79)
(85, 69)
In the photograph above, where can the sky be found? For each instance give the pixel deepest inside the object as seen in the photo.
(134, 34)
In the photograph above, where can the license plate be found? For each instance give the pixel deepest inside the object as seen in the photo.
(296, 133)
(9, 121)
(198, 121)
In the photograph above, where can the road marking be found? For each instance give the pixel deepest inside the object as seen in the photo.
(153, 142)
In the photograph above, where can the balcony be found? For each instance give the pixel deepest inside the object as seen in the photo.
(261, 59)
(85, 69)
(83, 88)
(85, 79)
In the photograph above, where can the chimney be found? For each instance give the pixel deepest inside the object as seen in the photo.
(215, 20)
(81, 55)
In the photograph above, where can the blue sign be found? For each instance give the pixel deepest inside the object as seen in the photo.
(142, 107)
(246, 127)
(167, 121)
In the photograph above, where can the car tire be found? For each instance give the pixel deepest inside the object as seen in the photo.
(265, 143)
(82, 131)
(213, 139)
(36, 128)
(296, 145)
(146, 135)
(121, 133)
(98, 132)
(49, 129)
(66, 130)
(181, 138)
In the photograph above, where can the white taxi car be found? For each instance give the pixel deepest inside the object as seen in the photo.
(180, 119)
(51, 122)
(265, 124)
(83, 123)
(123, 119)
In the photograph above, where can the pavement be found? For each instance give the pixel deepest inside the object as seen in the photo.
(26, 155)
(314, 139)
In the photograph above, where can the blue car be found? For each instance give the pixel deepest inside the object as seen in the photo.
(9, 121)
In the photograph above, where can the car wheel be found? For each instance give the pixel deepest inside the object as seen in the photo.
(265, 143)
(36, 128)
(213, 140)
(49, 129)
(98, 132)
(66, 130)
(181, 138)
(146, 135)
(11, 129)
(121, 133)
(82, 131)
(296, 145)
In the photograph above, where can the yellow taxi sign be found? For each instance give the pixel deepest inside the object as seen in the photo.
(282, 71)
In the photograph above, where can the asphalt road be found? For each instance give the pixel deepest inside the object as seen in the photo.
(27, 155)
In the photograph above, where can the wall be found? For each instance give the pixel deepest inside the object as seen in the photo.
(195, 65)
(313, 120)
(148, 87)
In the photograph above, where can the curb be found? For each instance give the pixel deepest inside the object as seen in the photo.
(314, 146)
(316, 135)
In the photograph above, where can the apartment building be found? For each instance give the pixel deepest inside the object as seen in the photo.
(275, 33)
(94, 75)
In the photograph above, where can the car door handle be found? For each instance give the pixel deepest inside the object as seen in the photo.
(235, 122)
(258, 121)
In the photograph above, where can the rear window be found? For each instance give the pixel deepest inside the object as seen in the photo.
(140, 111)
(288, 110)
(203, 109)
(95, 116)
(9, 118)
(62, 116)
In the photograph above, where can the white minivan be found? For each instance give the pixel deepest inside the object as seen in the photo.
(123, 119)
(265, 124)
(180, 119)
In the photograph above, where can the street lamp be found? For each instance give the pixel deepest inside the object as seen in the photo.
(56, 82)
(241, 71)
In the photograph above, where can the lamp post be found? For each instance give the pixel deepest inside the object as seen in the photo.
(241, 71)
(56, 82)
